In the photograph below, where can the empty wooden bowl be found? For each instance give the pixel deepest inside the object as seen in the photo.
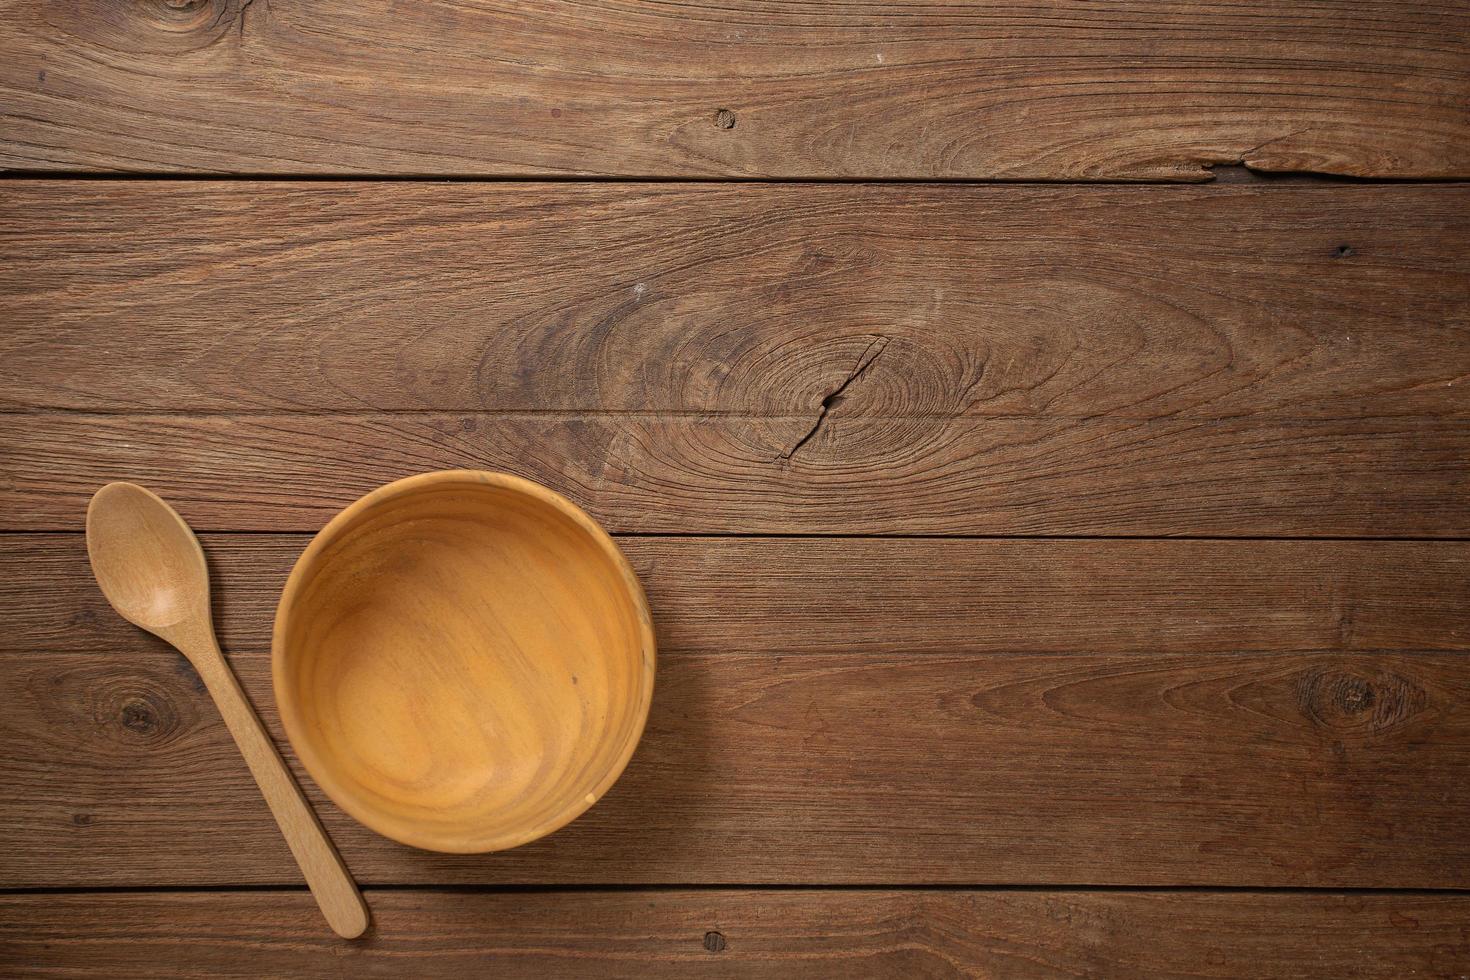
(463, 661)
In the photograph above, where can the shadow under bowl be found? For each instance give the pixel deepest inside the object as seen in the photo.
(463, 661)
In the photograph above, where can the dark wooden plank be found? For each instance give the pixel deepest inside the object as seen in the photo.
(736, 595)
(1057, 89)
(744, 934)
(735, 474)
(1292, 302)
(1320, 768)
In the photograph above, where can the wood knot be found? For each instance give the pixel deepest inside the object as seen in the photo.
(99, 711)
(714, 942)
(1349, 702)
(158, 28)
(185, 16)
(137, 714)
(724, 119)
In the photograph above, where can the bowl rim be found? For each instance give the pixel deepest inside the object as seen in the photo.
(286, 701)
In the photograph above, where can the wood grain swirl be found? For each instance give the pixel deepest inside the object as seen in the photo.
(961, 508)
(1010, 90)
(1292, 302)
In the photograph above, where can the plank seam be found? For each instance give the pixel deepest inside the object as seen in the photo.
(737, 886)
(13, 532)
(1212, 178)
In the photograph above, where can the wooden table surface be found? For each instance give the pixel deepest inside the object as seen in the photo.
(1042, 429)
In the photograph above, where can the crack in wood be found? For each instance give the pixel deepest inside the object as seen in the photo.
(834, 397)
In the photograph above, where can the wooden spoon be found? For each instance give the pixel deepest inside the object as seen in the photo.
(152, 570)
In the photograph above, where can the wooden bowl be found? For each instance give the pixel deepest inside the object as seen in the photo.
(463, 661)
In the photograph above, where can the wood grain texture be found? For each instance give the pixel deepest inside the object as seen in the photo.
(1319, 769)
(1056, 90)
(742, 475)
(819, 359)
(1288, 302)
(736, 359)
(838, 935)
(915, 597)
(1234, 713)
(1302, 769)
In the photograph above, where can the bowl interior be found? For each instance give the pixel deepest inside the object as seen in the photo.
(463, 661)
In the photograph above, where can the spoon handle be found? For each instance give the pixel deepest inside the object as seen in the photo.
(327, 877)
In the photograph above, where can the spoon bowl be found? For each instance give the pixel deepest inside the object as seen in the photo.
(463, 661)
(146, 559)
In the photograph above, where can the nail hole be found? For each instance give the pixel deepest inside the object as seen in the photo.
(1342, 251)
